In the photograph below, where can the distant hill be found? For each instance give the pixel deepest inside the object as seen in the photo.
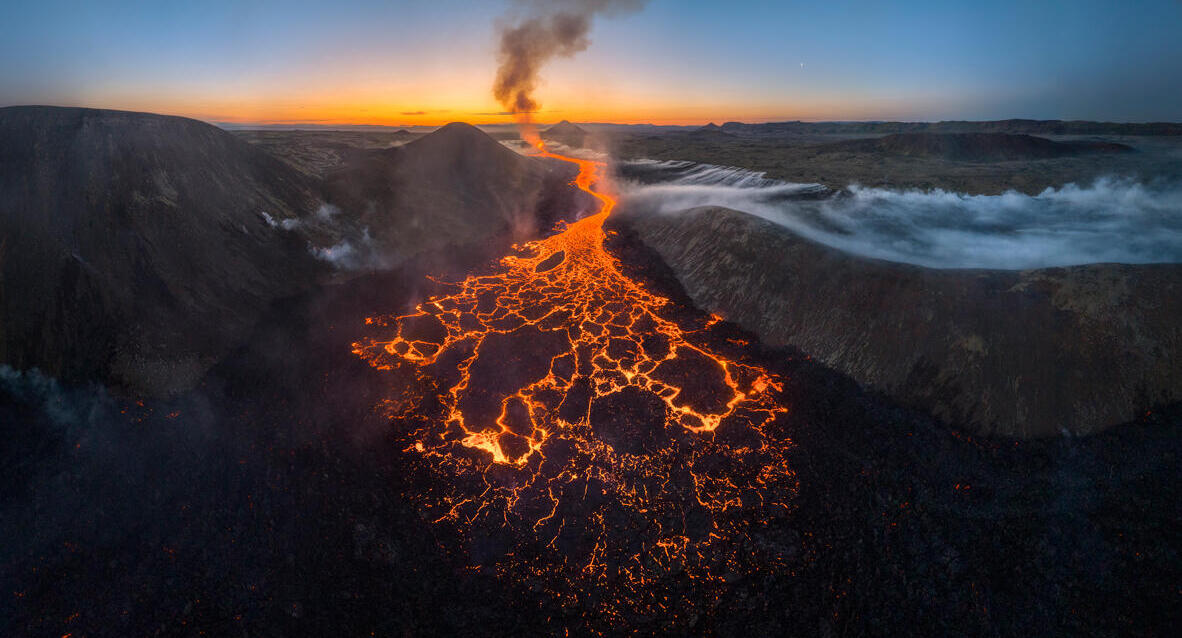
(566, 133)
(455, 186)
(974, 146)
(136, 247)
(1028, 127)
(709, 133)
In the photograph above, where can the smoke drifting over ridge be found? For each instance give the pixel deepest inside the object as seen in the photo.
(1110, 220)
(549, 30)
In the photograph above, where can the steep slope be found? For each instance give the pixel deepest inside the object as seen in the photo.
(136, 250)
(454, 187)
(1025, 354)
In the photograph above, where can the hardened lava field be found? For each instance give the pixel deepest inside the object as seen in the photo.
(580, 432)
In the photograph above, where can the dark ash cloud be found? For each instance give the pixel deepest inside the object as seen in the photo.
(549, 30)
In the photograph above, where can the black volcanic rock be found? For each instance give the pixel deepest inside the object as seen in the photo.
(135, 249)
(454, 187)
(566, 133)
(1020, 353)
(974, 147)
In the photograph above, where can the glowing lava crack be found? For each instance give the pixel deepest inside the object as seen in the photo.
(580, 432)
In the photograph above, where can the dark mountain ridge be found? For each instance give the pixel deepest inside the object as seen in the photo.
(1016, 353)
(455, 186)
(1016, 126)
(970, 147)
(137, 248)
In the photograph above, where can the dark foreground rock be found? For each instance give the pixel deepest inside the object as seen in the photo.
(1025, 354)
(276, 501)
(283, 496)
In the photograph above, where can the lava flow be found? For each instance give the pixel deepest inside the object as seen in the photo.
(579, 427)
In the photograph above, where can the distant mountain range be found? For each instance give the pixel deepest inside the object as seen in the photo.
(1016, 126)
(975, 146)
(794, 127)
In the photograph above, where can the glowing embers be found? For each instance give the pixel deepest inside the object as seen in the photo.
(581, 426)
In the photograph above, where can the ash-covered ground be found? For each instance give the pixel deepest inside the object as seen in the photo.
(276, 500)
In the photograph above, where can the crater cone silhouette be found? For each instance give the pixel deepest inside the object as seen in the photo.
(455, 186)
(567, 133)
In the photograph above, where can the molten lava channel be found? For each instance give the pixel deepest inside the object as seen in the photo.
(578, 429)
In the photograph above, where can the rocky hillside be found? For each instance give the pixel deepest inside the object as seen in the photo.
(975, 147)
(454, 187)
(136, 247)
(1024, 354)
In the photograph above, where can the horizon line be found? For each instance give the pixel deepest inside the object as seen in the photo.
(339, 125)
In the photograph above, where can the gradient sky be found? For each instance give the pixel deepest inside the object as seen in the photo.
(677, 61)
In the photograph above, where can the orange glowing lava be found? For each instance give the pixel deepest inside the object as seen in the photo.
(582, 429)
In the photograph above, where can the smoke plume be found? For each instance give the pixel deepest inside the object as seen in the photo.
(548, 30)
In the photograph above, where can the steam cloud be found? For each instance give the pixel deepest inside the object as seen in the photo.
(357, 253)
(551, 29)
(1111, 220)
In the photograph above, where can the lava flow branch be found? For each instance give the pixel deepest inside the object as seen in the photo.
(577, 428)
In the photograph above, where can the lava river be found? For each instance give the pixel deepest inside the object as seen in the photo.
(580, 429)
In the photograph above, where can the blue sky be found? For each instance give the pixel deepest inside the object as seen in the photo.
(672, 62)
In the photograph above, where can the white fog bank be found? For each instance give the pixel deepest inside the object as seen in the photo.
(1111, 220)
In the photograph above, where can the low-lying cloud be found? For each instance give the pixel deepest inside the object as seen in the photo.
(1111, 220)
